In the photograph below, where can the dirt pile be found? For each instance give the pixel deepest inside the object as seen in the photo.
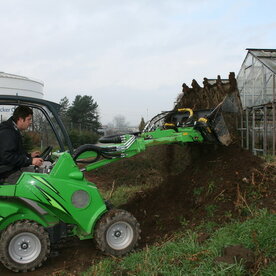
(208, 96)
(220, 183)
(218, 101)
(236, 253)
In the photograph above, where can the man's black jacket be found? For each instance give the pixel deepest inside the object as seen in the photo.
(12, 154)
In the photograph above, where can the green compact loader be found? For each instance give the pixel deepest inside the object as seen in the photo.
(57, 201)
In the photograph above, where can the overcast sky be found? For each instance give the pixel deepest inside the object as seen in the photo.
(132, 56)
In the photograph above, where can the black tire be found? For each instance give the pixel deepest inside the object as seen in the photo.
(24, 246)
(117, 232)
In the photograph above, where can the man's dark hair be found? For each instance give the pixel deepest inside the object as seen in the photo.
(21, 111)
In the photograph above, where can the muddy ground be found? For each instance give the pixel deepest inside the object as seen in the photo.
(218, 184)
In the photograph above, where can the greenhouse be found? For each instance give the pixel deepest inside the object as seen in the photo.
(256, 83)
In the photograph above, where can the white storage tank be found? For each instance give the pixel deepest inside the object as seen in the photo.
(11, 84)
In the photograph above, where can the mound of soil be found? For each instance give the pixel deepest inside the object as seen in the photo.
(236, 253)
(208, 96)
(219, 183)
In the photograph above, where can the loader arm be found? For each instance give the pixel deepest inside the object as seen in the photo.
(207, 126)
(134, 144)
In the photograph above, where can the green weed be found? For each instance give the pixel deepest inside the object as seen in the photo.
(198, 191)
(208, 226)
(228, 214)
(211, 187)
(118, 196)
(269, 158)
(183, 221)
(210, 210)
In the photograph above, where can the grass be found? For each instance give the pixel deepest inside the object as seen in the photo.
(210, 210)
(269, 158)
(198, 191)
(207, 227)
(211, 187)
(118, 196)
(184, 255)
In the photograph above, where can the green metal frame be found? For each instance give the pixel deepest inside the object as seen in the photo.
(148, 139)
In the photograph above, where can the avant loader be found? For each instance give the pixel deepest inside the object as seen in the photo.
(57, 201)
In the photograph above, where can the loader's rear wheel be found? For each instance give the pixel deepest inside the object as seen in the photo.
(24, 246)
(117, 232)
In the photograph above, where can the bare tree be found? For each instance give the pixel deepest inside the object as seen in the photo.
(120, 123)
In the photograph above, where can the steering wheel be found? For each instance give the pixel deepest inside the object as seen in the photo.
(45, 154)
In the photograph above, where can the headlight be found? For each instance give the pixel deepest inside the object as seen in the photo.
(80, 199)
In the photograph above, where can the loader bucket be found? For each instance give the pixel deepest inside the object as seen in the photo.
(223, 119)
(220, 129)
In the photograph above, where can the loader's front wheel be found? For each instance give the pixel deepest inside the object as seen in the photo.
(24, 246)
(117, 232)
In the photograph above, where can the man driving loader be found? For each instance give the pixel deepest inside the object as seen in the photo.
(13, 157)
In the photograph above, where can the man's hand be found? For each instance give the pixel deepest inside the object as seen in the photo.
(37, 162)
(35, 153)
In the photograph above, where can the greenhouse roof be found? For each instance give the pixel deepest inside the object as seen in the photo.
(265, 56)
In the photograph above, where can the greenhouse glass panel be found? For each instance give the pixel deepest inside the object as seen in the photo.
(256, 79)
(257, 86)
